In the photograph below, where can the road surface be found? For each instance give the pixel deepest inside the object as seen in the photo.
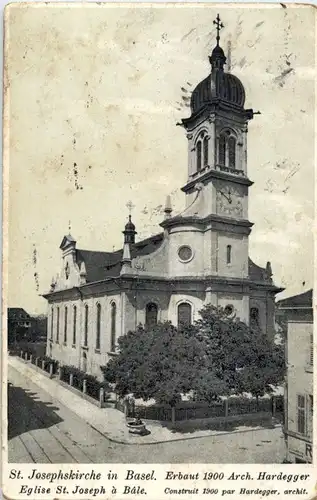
(41, 430)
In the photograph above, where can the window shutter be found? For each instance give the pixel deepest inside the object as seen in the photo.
(301, 414)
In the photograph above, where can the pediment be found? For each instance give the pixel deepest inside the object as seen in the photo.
(67, 241)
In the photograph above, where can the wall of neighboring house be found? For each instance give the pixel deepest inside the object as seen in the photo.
(299, 402)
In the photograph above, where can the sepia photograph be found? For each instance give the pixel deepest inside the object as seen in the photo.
(159, 168)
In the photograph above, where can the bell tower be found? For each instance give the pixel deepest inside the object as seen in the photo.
(217, 141)
(214, 223)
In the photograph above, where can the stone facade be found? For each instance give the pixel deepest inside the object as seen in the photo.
(201, 255)
(298, 429)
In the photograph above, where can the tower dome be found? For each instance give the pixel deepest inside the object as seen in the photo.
(129, 232)
(218, 86)
(129, 225)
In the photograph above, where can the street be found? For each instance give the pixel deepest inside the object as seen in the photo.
(41, 430)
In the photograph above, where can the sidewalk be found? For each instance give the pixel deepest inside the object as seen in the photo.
(110, 422)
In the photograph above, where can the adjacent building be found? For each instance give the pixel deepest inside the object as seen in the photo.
(297, 311)
(199, 256)
(19, 324)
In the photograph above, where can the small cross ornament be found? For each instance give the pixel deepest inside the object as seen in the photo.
(219, 26)
(130, 207)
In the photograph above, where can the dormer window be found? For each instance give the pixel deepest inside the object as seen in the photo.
(202, 151)
(227, 149)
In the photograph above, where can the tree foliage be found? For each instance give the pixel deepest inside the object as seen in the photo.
(159, 363)
(217, 356)
(240, 358)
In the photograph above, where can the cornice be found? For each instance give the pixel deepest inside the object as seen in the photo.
(170, 284)
(216, 106)
(216, 174)
(218, 222)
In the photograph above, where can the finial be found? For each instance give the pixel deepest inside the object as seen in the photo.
(130, 207)
(129, 229)
(217, 58)
(69, 227)
(219, 26)
(168, 207)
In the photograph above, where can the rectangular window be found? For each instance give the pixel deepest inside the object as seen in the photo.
(228, 254)
(301, 414)
(310, 414)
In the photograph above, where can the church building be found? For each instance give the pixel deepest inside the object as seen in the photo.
(199, 256)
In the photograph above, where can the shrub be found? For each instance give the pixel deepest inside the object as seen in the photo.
(93, 385)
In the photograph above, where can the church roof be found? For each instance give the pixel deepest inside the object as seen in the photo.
(101, 265)
(302, 300)
(217, 86)
(17, 312)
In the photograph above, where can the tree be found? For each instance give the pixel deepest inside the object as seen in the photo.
(239, 358)
(217, 356)
(160, 363)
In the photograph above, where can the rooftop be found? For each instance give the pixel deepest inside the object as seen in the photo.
(302, 300)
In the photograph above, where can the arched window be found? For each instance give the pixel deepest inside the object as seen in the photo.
(184, 314)
(227, 149)
(151, 314)
(222, 150)
(232, 151)
(254, 317)
(65, 325)
(113, 326)
(74, 324)
(52, 322)
(228, 254)
(57, 325)
(198, 156)
(98, 327)
(205, 151)
(86, 326)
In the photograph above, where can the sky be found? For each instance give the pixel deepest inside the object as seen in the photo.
(94, 94)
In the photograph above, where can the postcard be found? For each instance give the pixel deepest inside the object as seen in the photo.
(158, 251)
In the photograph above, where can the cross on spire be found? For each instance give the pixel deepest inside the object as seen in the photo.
(130, 207)
(219, 26)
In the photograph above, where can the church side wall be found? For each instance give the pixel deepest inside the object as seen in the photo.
(196, 302)
(239, 302)
(73, 354)
(238, 267)
(186, 236)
